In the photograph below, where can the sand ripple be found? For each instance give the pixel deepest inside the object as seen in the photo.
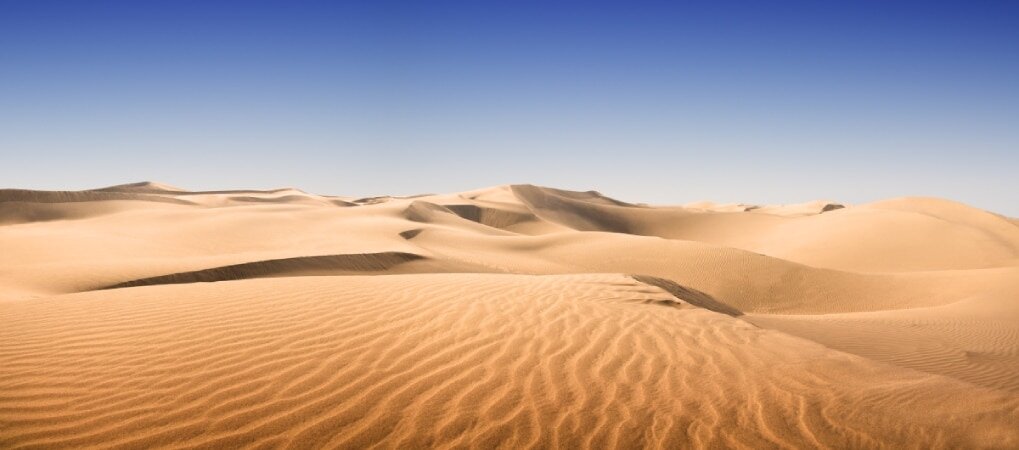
(468, 360)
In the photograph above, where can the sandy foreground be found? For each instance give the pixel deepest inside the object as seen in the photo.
(145, 316)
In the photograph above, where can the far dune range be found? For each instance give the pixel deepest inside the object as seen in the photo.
(148, 316)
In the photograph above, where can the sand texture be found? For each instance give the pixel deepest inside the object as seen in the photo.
(148, 316)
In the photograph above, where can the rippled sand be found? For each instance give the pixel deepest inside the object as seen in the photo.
(144, 316)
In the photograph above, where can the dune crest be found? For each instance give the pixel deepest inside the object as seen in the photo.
(518, 316)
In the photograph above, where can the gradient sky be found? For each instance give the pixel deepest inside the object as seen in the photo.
(661, 102)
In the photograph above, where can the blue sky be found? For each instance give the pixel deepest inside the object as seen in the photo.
(662, 102)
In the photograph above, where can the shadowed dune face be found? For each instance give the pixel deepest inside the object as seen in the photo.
(26, 196)
(588, 211)
(146, 316)
(303, 265)
(15, 212)
(492, 217)
(691, 296)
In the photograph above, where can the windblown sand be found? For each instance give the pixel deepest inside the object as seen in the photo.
(145, 316)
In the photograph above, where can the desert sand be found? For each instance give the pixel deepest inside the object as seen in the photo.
(148, 316)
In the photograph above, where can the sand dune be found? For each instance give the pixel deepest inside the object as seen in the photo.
(303, 265)
(510, 360)
(916, 234)
(145, 187)
(144, 315)
(26, 196)
(975, 340)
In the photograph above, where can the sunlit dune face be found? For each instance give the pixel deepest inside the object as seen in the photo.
(144, 316)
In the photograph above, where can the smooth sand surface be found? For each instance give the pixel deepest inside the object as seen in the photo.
(147, 316)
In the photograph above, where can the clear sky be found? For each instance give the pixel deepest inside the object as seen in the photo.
(661, 102)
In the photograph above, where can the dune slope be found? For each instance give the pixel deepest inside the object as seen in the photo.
(148, 316)
(579, 361)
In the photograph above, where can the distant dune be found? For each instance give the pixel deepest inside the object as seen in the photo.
(148, 316)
